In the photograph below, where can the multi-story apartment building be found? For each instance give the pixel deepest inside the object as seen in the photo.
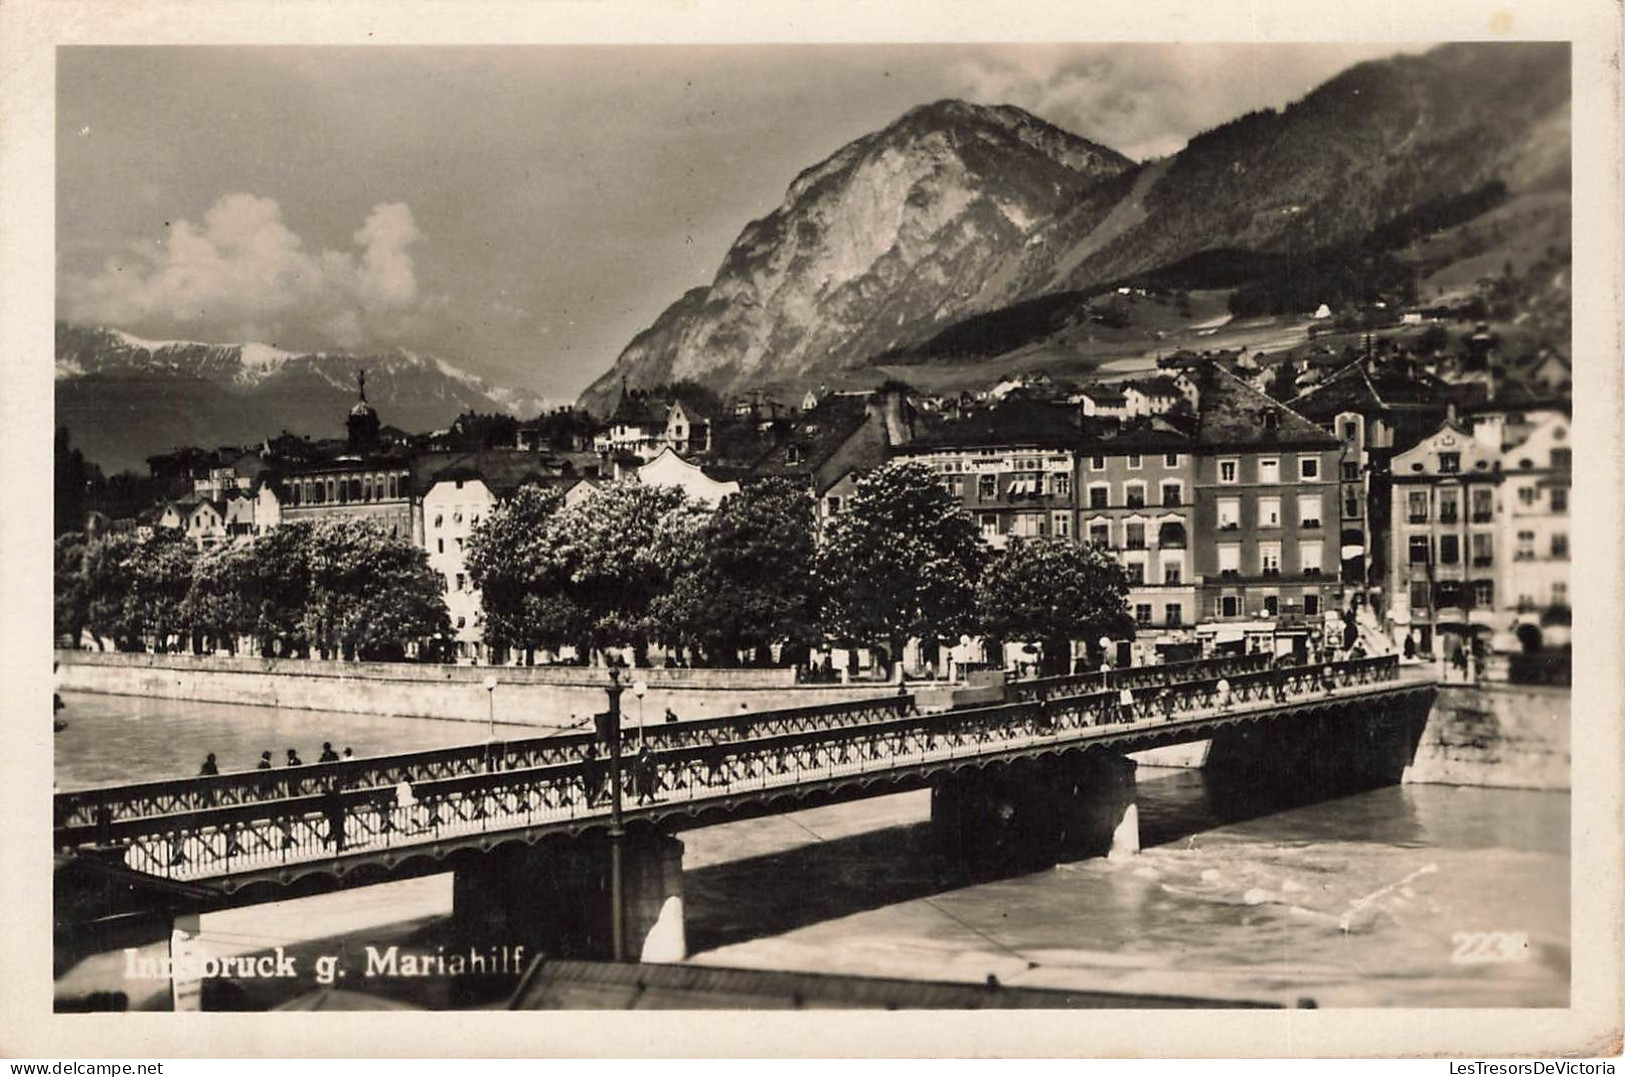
(1442, 557)
(1267, 486)
(1534, 591)
(1012, 466)
(1137, 499)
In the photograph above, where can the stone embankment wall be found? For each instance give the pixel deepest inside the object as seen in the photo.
(1507, 735)
(543, 695)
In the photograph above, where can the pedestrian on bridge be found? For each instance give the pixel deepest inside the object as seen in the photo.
(1223, 691)
(328, 754)
(671, 716)
(209, 767)
(293, 759)
(1125, 705)
(643, 773)
(265, 761)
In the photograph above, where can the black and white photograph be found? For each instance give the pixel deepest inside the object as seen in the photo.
(1069, 525)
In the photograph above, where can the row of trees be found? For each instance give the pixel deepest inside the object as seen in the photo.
(339, 588)
(632, 566)
(636, 566)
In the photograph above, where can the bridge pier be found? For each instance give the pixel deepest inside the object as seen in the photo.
(1030, 815)
(554, 897)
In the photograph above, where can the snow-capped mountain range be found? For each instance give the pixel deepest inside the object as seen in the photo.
(124, 398)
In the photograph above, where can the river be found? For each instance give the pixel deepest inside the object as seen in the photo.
(1376, 899)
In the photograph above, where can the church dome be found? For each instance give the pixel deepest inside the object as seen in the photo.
(363, 410)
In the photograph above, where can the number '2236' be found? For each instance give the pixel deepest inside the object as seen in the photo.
(1488, 947)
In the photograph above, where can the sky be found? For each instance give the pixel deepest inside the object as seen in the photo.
(523, 211)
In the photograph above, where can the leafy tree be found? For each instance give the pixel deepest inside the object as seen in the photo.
(902, 562)
(72, 590)
(1283, 382)
(1050, 591)
(109, 575)
(221, 603)
(751, 583)
(510, 562)
(616, 552)
(280, 589)
(370, 594)
(1434, 339)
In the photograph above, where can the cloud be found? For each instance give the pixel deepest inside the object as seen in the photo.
(243, 274)
(1148, 100)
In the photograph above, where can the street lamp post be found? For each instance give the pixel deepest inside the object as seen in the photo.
(640, 689)
(491, 705)
(617, 832)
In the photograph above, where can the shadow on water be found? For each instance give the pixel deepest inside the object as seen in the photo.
(769, 895)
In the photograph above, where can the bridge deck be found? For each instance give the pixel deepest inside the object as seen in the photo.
(235, 845)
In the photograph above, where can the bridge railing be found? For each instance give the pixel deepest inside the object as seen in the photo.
(171, 795)
(1139, 676)
(219, 840)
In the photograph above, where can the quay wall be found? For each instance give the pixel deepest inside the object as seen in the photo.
(1514, 736)
(1508, 736)
(551, 696)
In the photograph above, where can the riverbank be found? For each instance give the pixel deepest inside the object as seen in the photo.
(549, 696)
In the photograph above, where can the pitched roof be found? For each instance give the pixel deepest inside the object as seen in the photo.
(1016, 420)
(816, 435)
(502, 471)
(1232, 414)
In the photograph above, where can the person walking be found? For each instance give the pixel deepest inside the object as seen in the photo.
(265, 761)
(328, 754)
(293, 759)
(671, 716)
(209, 767)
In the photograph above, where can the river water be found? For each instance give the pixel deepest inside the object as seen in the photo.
(1411, 895)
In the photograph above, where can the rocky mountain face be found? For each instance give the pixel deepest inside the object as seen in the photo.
(959, 210)
(123, 398)
(892, 236)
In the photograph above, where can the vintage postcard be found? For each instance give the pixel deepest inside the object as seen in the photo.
(739, 510)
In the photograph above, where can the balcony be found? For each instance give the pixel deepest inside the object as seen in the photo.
(1448, 518)
(1483, 562)
(1416, 518)
(1482, 517)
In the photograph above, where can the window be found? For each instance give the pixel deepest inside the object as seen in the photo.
(1309, 554)
(990, 524)
(1351, 505)
(1229, 559)
(440, 545)
(1269, 558)
(1100, 534)
(1098, 497)
(1421, 550)
(1173, 614)
(1483, 506)
(1419, 596)
(1449, 549)
(1172, 494)
(439, 518)
(1227, 471)
(1308, 468)
(459, 581)
(1269, 471)
(1227, 606)
(462, 622)
(1311, 604)
(1483, 550)
(1351, 431)
(1416, 507)
(1269, 512)
(1351, 471)
(1142, 613)
(1449, 463)
(1171, 572)
(1061, 524)
(1060, 484)
(1309, 510)
(459, 484)
(1134, 461)
(1561, 458)
(1170, 459)
(987, 487)
(1135, 571)
(832, 505)
(1027, 524)
(1134, 535)
(1447, 506)
(1560, 499)
(1229, 514)
(1097, 463)
(1526, 546)
(1272, 605)
(1484, 594)
(1560, 593)
(1560, 545)
(1134, 495)
(1528, 495)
